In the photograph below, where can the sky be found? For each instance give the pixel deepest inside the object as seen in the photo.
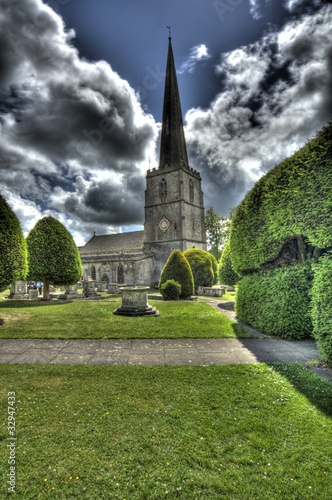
(81, 95)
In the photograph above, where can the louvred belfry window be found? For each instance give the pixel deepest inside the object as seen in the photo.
(163, 190)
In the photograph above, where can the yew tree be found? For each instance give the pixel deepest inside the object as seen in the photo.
(13, 251)
(217, 231)
(203, 265)
(53, 256)
(177, 268)
(226, 273)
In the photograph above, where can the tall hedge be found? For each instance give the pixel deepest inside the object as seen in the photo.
(322, 306)
(13, 250)
(283, 225)
(53, 255)
(277, 301)
(202, 265)
(292, 200)
(226, 273)
(178, 268)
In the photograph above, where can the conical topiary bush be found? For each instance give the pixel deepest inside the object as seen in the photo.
(178, 268)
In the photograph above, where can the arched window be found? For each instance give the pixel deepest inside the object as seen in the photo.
(163, 190)
(191, 191)
(93, 272)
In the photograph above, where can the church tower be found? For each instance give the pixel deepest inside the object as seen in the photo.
(174, 206)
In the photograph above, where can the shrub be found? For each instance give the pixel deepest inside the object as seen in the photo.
(277, 301)
(170, 290)
(177, 268)
(321, 310)
(13, 251)
(226, 273)
(53, 255)
(201, 263)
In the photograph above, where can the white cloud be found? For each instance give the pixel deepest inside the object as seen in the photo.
(197, 53)
(292, 5)
(252, 125)
(255, 9)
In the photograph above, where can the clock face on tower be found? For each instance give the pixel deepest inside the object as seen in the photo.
(164, 224)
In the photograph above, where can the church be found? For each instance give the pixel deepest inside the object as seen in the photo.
(174, 209)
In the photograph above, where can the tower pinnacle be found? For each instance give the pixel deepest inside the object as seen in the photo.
(173, 150)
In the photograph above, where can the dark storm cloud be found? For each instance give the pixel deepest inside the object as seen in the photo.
(64, 117)
(103, 201)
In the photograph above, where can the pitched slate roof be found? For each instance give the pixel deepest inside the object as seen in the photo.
(114, 243)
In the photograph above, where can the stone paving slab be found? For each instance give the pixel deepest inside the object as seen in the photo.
(35, 356)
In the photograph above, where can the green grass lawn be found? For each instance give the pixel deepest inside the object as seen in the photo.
(95, 319)
(233, 432)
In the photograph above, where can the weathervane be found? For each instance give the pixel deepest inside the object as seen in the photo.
(169, 31)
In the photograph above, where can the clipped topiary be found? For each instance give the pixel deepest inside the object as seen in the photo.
(321, 311)
(178, 268)
(287, 214)
(53, 255)
(170, 290)
(201, 263)
(277, 301)
(226, 273)
(13, 250)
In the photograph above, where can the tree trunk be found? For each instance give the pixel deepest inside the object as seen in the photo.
(46, 290)
(301, 245)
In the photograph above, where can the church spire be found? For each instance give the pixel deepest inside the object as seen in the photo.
(173, 150)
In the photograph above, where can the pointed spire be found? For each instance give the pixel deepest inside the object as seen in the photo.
(173, 150)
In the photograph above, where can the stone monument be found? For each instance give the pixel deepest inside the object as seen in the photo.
(135, 302)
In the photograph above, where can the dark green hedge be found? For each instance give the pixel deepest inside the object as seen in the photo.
(293, 199)
(202, 266)
(178, 268)
(277, 301)
(226, 273)
(322, 306)
(13, 250)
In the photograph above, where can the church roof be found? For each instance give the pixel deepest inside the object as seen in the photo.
(114, 243)
(173, 150)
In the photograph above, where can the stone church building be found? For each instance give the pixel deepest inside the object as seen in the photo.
(174, 209)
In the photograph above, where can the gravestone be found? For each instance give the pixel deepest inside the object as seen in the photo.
(89, 287)
(70, 292)
(33, 294)
(102, 286)
(135, 302)
(19, 290)
(112, 288)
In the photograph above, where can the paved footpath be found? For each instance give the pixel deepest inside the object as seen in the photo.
(156, 351)
(161, 351)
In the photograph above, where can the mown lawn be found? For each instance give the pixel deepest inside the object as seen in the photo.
(95, 319)
(233, 432)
